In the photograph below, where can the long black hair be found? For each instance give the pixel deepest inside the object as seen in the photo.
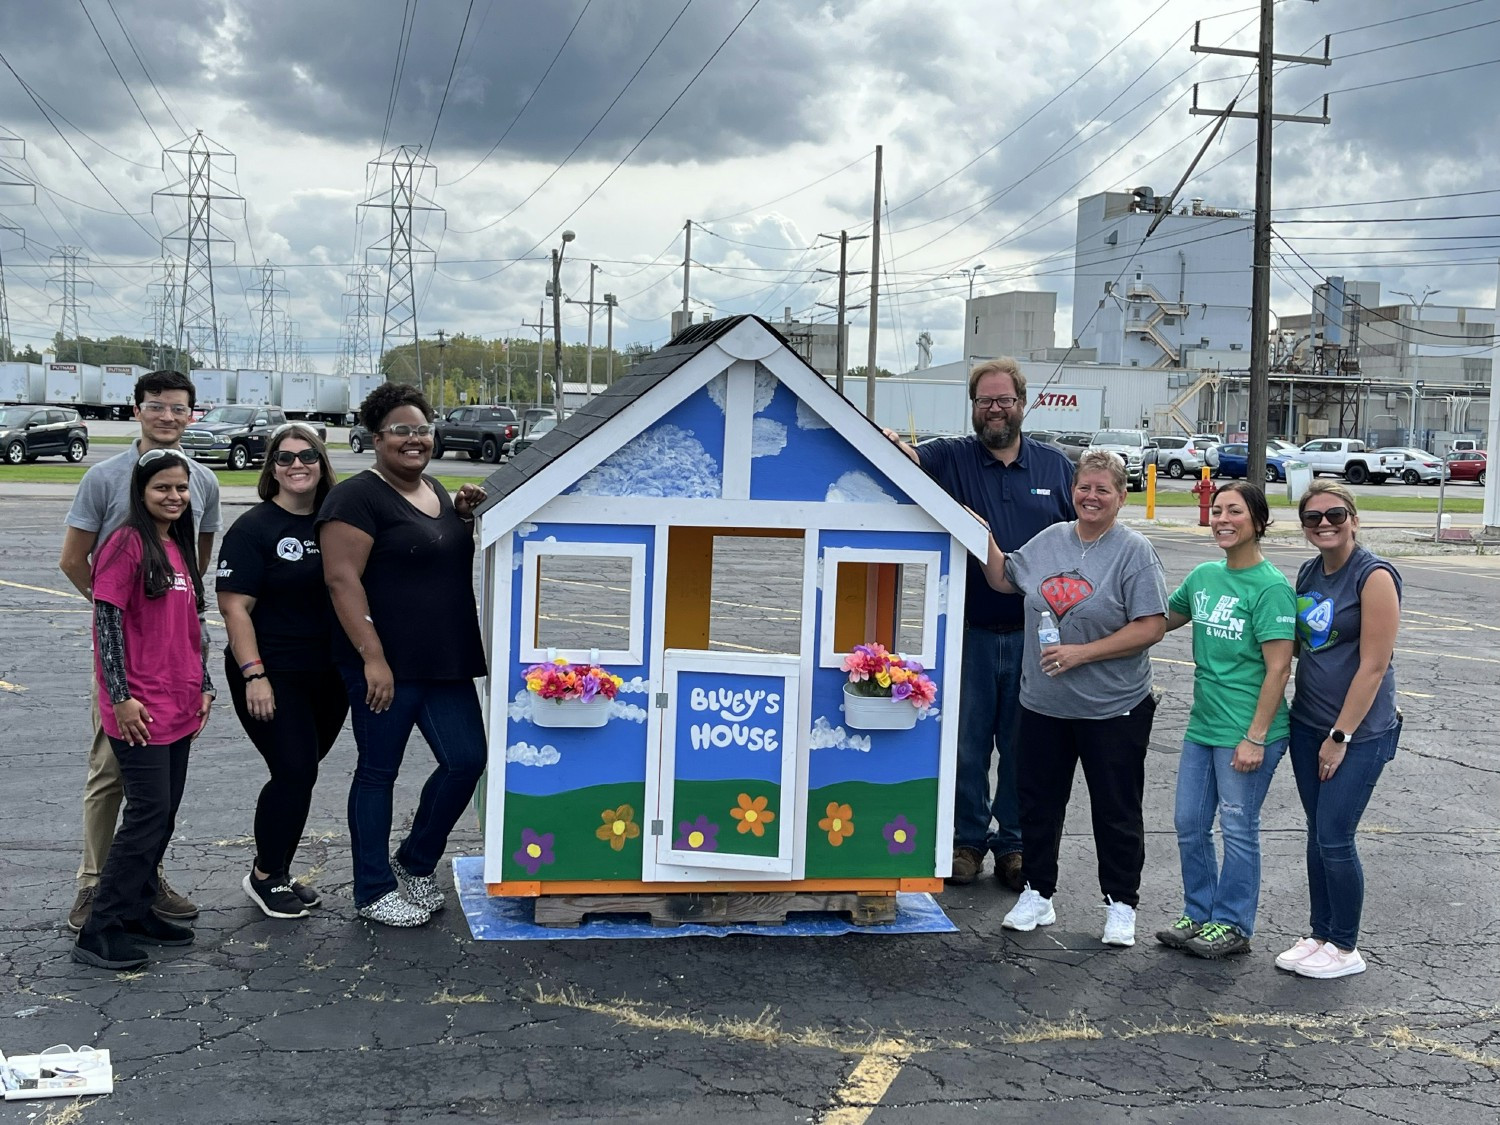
(155, 570)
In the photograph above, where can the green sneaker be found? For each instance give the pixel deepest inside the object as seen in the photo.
(1216, 940)
(1179, 933)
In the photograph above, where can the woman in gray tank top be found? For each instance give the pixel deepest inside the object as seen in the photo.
(1345, 724)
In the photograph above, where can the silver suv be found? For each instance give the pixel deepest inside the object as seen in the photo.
(1131, 446)
(1176, 457)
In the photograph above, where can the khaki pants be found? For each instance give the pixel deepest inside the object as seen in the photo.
(103, 792)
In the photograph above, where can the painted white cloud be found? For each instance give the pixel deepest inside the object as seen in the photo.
(621, 710)
(826, 736)
(855, 487)
(718, 389)
(520, 707)
(636, 685)
(525, 754)
(664, 461)
(765, 388)
(809, 419)
(767, 438)
(942, 595)
(525, 529)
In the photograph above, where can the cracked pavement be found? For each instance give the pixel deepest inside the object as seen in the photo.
(331, 1019)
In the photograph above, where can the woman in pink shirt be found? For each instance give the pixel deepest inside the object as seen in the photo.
(154, 699)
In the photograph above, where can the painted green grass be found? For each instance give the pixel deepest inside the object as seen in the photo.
(573, 820)
(715, 799)
(866, 853)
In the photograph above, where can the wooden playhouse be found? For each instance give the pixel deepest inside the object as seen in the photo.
(721, 767)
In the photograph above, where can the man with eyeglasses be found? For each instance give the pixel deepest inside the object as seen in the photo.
(1020, 487)
(163, 406)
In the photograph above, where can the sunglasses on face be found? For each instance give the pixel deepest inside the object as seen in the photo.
(285, 457)
(1336, 517)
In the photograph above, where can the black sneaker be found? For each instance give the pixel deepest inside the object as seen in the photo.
(1216, 940)
(158, 931)
(306, 893)
(110, 949)
(274, 897)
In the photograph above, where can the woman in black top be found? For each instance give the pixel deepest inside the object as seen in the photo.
(398, 556)
(279, 662)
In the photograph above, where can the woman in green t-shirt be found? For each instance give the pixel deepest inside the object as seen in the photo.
(1243, 613)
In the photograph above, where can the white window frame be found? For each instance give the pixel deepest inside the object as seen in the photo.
(833, 557)
(532, 554)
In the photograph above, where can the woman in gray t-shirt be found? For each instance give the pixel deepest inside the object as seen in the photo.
(1345, 724)
(1088, 698)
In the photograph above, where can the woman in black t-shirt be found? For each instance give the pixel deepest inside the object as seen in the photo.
(279, 662)
(398, 556)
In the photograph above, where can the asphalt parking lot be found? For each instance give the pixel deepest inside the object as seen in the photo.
(330, 1019)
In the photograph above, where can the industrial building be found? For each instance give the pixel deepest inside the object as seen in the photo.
(1017, 323)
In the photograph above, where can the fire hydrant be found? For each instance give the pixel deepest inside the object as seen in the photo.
(1203, 490)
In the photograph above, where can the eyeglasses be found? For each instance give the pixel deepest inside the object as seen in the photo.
(402, 430)
(1004, 402)
(176, 409)
(285, 457)
(157, 454)
(1336, 517)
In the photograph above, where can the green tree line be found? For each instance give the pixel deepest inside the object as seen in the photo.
(504, 369)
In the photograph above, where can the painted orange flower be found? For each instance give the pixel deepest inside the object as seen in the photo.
(753, 815)
(619, 825)
(839, 823)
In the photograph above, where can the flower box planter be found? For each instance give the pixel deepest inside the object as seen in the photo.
(878, 712)
(570, 712)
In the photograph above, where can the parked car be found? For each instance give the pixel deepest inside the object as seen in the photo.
(1348, 458)
(1176, 456)
(1234, 461)
(539, 429)
(359, 438)
(1048, 436)
(485, 433)
(1131, 447)
(1421, 467)
(29, 432)
(1201, 442)
(1468, 464)
(236, 435)
(1074, 445)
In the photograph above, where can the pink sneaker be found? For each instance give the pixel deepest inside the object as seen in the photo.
(1297, 953)
(1328, 962)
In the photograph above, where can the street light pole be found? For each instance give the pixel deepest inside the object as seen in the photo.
(969, 273)
(609, 337)
(1416, 356)
(442, 346)
(557, 350)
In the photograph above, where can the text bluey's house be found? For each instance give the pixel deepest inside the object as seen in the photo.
(719, 764)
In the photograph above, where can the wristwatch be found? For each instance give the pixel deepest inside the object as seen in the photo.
(1336, 735)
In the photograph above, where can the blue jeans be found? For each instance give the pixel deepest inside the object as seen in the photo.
(447, 714)
(1208, 784)
(1335, 878)
(989, 718)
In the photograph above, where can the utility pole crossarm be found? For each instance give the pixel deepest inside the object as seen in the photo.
(1254, 114)
(1325, 59)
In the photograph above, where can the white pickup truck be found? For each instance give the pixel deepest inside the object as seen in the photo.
(1348, 458)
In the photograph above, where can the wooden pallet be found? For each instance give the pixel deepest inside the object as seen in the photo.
(671, 910)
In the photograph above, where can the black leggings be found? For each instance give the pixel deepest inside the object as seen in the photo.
(310, 712)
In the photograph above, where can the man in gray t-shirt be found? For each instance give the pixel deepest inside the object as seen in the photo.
(163, 406)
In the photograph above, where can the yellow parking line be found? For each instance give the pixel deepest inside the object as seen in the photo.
(1449, 655)
(1417, 694)
(858, 1097)
(44, 590)
(6, 685)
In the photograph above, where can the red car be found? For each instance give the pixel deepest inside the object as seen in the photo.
(1467, 465)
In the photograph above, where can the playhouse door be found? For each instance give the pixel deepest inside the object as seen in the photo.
(729, 762)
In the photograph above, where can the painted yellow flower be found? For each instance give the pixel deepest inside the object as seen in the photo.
(752, 815)
(619, 825)
(839, 823)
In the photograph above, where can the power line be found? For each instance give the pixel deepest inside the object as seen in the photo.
(398, 67)
(451, 71)
(109, 55)
(144, 69)
(1393, 218)
(794, 191)
(1382, 202)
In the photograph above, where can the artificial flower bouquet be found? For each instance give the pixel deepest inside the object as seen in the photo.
(559, 679)
(875, 672)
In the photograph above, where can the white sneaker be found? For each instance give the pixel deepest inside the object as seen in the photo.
(1297, 953)
(1328, 962)
(1119, 923)
(1030, 911)
(393, 909)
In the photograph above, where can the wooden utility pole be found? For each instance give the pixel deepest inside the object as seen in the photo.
(687, 266)
(841, 364)
(1260, 294)
(874, 293)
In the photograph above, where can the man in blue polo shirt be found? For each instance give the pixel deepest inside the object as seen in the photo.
(1019, 486)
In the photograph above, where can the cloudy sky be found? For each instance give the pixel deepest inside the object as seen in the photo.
(756, 119)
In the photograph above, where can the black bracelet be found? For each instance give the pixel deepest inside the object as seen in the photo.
(257, 676)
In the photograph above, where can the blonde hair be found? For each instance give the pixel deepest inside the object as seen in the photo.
(1332, 488)
(1002, 366)
(1103, 461)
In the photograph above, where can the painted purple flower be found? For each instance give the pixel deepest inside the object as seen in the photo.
(900, 836)
(535, 851)
(697, 836)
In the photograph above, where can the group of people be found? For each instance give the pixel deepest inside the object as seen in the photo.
(1059, 623)
(330, 593)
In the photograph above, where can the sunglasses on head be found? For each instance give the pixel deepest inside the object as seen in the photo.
(157, 454)
(285, 457)
(1337, 517)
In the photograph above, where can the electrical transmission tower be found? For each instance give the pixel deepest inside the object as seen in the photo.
(403, 200)
(163, 322)
(66, 260)
(357, 355)
(201, 165)
(264, 354)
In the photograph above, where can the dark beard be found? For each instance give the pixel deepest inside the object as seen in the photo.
(999, 436)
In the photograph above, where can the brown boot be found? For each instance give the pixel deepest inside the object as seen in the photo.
(1008, 871)
(967, 864)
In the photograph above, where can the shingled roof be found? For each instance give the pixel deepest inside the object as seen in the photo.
(603, 406)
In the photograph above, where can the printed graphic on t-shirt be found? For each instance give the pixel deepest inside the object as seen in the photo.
(225, 570)
(1218, 618)
(1315, 621)
(1064, 591)
(290, 549)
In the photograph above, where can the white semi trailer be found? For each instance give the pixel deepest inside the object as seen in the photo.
(22, 384)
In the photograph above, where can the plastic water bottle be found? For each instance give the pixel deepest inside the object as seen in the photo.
(1047, 633)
